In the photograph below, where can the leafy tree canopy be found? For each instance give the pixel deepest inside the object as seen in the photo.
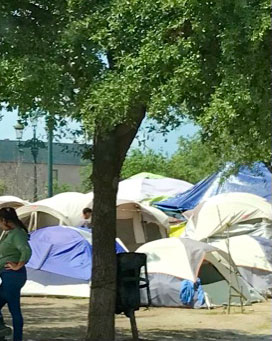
(138, 161)
(107, 63)
(193, 161)
(98, 59)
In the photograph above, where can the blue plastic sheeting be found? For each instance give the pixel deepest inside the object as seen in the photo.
(256, 180)
(62, 251)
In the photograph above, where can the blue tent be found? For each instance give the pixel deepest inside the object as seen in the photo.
(255, 180)
(64, 251)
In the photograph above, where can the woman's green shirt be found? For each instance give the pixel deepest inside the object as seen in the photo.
(14, 247)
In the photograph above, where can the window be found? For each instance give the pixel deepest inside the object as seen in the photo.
(55, 174)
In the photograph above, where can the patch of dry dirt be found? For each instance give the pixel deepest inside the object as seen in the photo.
(66, 319)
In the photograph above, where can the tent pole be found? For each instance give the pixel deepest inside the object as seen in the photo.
(240, 294)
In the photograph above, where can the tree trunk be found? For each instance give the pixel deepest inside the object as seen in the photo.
(110, 149)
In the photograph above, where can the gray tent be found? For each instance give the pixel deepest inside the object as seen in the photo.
(174, 260)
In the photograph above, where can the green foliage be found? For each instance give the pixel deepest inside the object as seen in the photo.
(138, 161)
(97, 60)
(100, 61)
(3, 187)
(61, 188)
(85, 175)
(194, 160)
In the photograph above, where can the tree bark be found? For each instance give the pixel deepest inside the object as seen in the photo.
(110, 149)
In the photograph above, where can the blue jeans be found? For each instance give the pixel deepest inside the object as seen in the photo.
(10, 293)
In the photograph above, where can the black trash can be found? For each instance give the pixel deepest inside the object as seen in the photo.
(130, 280)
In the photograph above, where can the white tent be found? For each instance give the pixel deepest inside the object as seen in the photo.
(172, 260)
(136, 223)
(11, 201)
(61, 209)
(142, 188)
(225, 214)
(253, 257)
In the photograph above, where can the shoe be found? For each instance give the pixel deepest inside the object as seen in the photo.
(4, 330)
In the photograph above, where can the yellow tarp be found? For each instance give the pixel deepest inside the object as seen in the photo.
(177, 230)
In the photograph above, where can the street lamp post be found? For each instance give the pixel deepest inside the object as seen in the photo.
(34, 144)
(50, 128)
(35, 151)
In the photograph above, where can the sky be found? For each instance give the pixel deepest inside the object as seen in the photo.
(165, 144)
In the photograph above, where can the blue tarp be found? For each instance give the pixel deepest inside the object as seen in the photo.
(256, 180)
(63, 251)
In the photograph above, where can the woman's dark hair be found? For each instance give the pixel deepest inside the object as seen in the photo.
(9, 214)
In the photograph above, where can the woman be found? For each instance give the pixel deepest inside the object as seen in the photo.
(14, 253)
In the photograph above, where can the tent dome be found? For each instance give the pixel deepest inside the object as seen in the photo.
(62, 209)
(136, 223)
(219, 216)
(139, 188)
(173, 260)
(12, 201)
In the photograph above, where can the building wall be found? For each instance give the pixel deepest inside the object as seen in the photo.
(18, 178)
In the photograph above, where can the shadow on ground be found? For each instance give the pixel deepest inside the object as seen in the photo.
(66, 320)
(48, 323)
(78, 334)
(197, 335)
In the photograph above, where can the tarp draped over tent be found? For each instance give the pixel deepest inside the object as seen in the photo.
(61, 250)
(172, 260)
(256, 180)
(11, 201)
(219, 217)
(61, 261)
(143, 187)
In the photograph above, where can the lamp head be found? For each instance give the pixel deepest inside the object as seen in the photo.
(19, 128)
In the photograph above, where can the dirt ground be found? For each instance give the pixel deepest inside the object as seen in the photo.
(65, 319)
